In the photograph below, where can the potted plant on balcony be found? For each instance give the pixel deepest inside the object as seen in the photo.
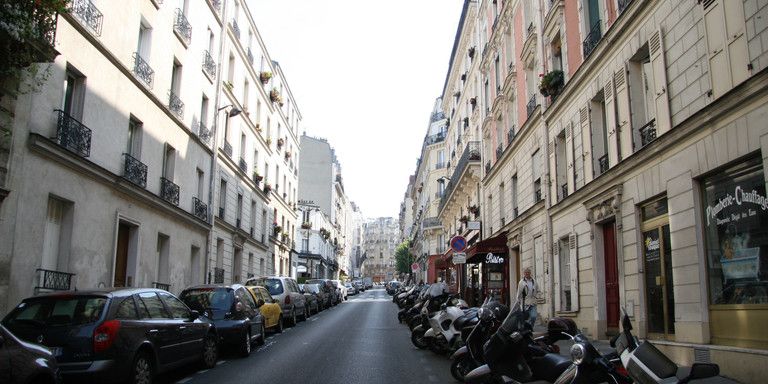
(474, 209)
(280, 142)
(306, 225)
(552, 83)
(269, 141)
(264, 76)
(464, 219)
(256, 177)
(287, 155)
(274, 96)
(267, 188)
(229, 85)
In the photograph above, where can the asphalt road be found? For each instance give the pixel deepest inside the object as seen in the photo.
(358, 341)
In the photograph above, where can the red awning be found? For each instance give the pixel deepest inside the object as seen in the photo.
(497, 244)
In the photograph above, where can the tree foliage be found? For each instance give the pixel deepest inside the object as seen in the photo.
(403, 257)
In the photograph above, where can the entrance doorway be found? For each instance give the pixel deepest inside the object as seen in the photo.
(657, 255)
(611, 277)
(125, 255)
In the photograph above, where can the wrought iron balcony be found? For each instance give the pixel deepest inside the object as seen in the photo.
(436, 138)
(142, 70)
(437, 116)
(499, 151)
(218, 275)
(175, 104)
(592, 39)
(564, 191)
(515, 213)
(488, 166)
(216, 4)
(648, 133)
(200, 209)
(134, 170)
(471, 153)
(182, 26)
(603, 163)
(431, 222)
(221, 213)
(236, 29)
(440, 165)
(537, 195)
(623, 5)
(531, 105)
(53, 280)
(203, 132)
(73, 135)
(511, 135)
(250, 55)
(169, 191)
(209, 65)
(227, 149)
(88, 14)
(163, 286)
(243, 165)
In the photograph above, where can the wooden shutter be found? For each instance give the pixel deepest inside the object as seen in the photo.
(586, 144)
(610, 123)
(552, 172)
(574, 255)
(569, 156)
(726, 44)
(656, 48)
(623, 117)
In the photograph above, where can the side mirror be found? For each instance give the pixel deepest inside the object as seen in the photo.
(193, 315)
(259, 302)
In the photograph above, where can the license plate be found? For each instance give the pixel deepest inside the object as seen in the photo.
(56, 351)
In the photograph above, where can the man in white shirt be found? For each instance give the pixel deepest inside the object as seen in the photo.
(527, 290)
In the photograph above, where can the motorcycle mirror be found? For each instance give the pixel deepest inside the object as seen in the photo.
(613, 340)
(625, 322)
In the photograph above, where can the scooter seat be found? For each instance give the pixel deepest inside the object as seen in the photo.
(460, 322)
(549, 367)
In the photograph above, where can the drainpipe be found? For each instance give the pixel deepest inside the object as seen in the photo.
(548, 236)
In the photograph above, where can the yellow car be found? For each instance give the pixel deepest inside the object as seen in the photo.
(269, 308)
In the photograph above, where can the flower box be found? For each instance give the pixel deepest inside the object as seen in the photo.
(265, 76)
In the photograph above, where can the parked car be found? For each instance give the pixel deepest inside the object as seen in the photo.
(286, 291)
(359, 285)
(368, 283)
(323, 300)
(351, 289)
(392, 287)
(115, 334)
(25, 363)
(342, 290)
(269, 308)
(313, 303)
(233, 311)
(329, 288)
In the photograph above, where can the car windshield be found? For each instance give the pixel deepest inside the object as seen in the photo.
(201, 299)
(274, 286)
(314, 288)
(57, 311)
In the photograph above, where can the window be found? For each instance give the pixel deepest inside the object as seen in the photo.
(222, 198)
(169, 162)
(163, 262)
(74, 93)
(727, 44)
(126, 310)
(176, 78)
(58, 234)
(599, 132)
(239, 213)
(557, 53)
(133, 144)
(231, 70)
(253, 217)
(501, 205)
(242, 147)
(246, 86)
(564, 266)
(305, 245)
(561, 166)
(150, 306)
(178, 309)
(204, 113)
(145, 40)
(513, 193)
(264, 222)
(536, 175)
(200, 183)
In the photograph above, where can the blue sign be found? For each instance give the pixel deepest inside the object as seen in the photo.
(458, 243)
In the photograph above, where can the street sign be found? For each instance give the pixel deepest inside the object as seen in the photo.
(458, 243)
(415, 267)
(473, 225)
(459, 258)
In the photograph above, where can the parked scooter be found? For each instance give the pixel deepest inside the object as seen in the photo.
(647, 365)
(444, 334)
(435, 296)
(470, 356)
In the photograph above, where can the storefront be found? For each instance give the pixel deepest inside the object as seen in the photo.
(488, 270)
(448, 272)
(735, 223)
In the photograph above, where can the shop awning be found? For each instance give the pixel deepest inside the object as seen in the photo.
(496, 244)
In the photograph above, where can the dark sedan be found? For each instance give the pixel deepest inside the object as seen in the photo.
(115, 334)
(233, 311)
(323, 297)
(313, 302)
(25, 363)
(329, 288)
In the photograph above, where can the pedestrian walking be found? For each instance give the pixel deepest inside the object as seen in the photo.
(527, 290)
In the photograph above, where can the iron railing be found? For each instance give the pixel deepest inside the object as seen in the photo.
(531, 30)
(218, 275)
(431, 222)
(440, 165)
(537, 195)
(471, 153)
(88, 14)
(603, 163)
(592, 39)
(175, 104)
(203, 132)
(250, 55)
(182, 26)
(221, 212)
(142, 70)
(134, 170)
(227, 149)
(563, 191)
(623, 5)
(216, 4)
(648, 133)
(200, 209)
(499, 151)
(511, 135)
(169, 191)
(53, 280)
(243, 165)
(236, 29)
(436, 138)
(209, 65)
(73, 135)
(531, 105)
(437, 116)
(163, 286)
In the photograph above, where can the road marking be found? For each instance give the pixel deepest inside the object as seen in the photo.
(221, 362)
(182, 381)
(265, 346)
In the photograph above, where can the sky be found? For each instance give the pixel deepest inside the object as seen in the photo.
(365, 75)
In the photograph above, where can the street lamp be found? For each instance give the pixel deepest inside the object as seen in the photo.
(232, 112)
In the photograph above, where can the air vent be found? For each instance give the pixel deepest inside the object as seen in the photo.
(701, 355)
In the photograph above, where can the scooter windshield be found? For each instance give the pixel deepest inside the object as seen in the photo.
(515, 321)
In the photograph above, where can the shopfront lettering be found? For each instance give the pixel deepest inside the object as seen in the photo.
(739, 197)
(493, 259)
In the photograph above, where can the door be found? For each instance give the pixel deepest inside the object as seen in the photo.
(611, 276)
(121, 255)
(161, 330)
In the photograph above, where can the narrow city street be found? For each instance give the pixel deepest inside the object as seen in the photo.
(358, 341)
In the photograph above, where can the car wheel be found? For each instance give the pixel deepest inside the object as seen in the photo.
(279, 327)
(263, 338)
(245, 348)
(210, 351)
(142, 371)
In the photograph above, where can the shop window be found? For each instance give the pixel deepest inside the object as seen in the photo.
(657, 262)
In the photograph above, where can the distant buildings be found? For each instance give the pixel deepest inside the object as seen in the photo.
(381, 238)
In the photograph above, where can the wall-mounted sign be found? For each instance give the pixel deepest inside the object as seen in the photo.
(459, 258)
(473, 225)
(493, 259)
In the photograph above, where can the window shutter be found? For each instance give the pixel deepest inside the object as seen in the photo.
(552, 172)
(574, 255)
(610, 123)
(623, 117)
(569, 156)
(726, 42)
(656, 48)
(586, 140)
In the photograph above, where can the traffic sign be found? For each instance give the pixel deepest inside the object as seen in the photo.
(415, 267)
(459, 258)
(458, 243)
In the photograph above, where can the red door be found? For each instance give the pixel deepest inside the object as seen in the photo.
(611, 275)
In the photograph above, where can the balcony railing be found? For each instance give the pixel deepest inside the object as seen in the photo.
(499, 151)
(592, 39)
(209, 65)
(436, 138)
(471, 153)
(531, 30)
(200, 209)
(88, 14)
(221, 212)
(623, 5)
(134, 170)
(440, 165)
(488, 166)
(250, 56)
(216, 4)
(648, 133)
(142, 70)
(537, 195)
(531, 105)
(563, 191)
(603, 163)
(73, 135)
(203, 132)
(235, 29)
(169, 191)
(227, 149)
(182, 26)
(243, 165)
(218, 275)
(511, 135)
(175, 104)
(163, 286)
(53, 280)
(430, 222)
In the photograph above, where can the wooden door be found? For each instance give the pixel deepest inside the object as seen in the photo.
(611, 275)
(121, 255)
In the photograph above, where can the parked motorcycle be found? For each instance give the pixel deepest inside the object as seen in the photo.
(470, 356)
(444, 334)
(647, 365)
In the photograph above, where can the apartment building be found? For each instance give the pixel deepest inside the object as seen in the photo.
(316, 251)
(381, 240)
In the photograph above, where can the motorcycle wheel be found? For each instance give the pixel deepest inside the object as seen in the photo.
(461, 367)
(417, 339)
